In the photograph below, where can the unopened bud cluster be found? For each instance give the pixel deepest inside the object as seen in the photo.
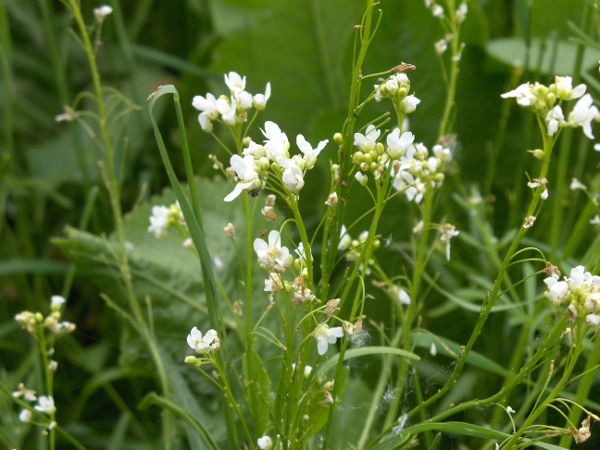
(397, 88)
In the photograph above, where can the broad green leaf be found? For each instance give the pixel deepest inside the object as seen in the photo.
(555, 57)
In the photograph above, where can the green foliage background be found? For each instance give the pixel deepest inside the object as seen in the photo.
(52, 242)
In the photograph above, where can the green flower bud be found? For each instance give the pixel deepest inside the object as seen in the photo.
(338, 138)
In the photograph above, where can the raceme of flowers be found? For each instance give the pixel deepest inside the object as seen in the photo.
(413, 168)
(232, 109)
(546, 102)
(580, 291)
(252, 169)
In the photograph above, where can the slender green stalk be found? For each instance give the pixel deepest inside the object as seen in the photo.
(496, 291)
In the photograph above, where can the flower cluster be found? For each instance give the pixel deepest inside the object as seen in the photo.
(164, 217)
(234, 109)
(36, 322)
(417, 170)
(396, 88)
(252, 170)
(581, 290)
(355, 246)
(546, 102)
(438, 11)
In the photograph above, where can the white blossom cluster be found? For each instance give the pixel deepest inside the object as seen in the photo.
(164, 217)
(581, 291)
(396, 88)
(252, 170)
(546, 102)
(33, 322)
(232, 109)
(417, 170)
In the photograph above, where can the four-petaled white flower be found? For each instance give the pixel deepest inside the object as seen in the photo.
(582, 115)
(523, 94)
(310, 154)
(235, 82)
(366, 142)
(326, 336)
(397, 145)
(292, 176)
(272, 256)
(277, 143)
(247, 174)
(45, 405)
(203, 344)
(564, 88)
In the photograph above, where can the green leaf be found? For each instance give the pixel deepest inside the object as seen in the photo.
(555, 57)
(154, 399)
(363, 351)
(451, 349)
(461, 428)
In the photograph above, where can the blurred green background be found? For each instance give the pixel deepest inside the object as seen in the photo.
(49, 170)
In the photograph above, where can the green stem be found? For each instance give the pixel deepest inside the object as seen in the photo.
(496, 291)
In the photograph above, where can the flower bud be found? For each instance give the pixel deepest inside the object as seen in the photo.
(338, 138)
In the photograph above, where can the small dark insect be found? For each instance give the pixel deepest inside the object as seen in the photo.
(254, 192)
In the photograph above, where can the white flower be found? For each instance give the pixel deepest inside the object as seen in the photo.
(523, 94)
(397, 145)
(27, 394)
(209, 109)
(248, 177)
(461, 13)
(441, 46)
(227, 108)
(101, 12)
(25, 416)
(577, 185)
(557, 290)
(592, 320)
(555, 119)
(565, 91)
(277, 143)
(366, 142)
(510, 410)
(272, 256)
(45, 405)
(326, 336)
(310, 154)
(403, 297)
(56, 301)
(235, 82)
(265, 443)
(410, 103)
(437, 11)
(362, 179)
(292, 176)
(259, 101)
(159, 221)
(203, 344)
(345, 239)
(582, 115)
